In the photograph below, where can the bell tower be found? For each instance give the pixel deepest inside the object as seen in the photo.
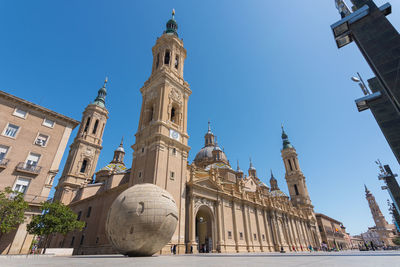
(294, 177)
(161, 148)
(382, 226)
(85, 150)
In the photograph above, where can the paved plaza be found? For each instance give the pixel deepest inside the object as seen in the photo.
(347, 258)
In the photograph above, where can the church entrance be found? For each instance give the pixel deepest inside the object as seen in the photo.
(204, 230)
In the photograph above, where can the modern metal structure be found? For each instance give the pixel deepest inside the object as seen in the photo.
(379, 42)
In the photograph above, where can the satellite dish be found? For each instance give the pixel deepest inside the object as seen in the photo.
(355, 79)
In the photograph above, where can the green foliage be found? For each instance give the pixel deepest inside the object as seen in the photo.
(396, 240)
(55, 218)
(12, 209)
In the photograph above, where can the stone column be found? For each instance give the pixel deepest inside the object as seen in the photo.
(258, 230)
(275, 229)
(300, 233)
(220, 242)
(289, 233)
(267, 229)
(246, 227)
(305, 233)
(192, 226)
(295, 233)
(235, 230)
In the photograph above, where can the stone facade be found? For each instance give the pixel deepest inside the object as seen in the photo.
(219, 209)
(32, 143)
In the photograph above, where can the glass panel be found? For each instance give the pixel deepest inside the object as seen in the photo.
(20, 113)
(3, 152)
(32, 159)
(48, 123)
(11, 130)
(41, 140)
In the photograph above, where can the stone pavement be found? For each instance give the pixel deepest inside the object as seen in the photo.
(325, 259)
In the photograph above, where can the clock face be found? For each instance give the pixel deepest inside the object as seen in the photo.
(174, 134)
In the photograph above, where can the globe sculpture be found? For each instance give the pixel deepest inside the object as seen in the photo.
(141, 220)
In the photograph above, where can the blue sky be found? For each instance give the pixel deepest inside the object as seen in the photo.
(251, 66)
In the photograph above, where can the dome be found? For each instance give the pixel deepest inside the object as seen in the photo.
(117, 167)
(121, 149)
(206, 153)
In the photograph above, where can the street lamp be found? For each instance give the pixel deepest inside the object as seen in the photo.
(361, 83)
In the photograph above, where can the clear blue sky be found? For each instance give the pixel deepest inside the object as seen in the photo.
(251, 65)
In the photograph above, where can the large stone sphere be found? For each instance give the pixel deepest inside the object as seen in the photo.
(141, 220)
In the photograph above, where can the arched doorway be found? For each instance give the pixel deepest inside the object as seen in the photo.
(205, 230)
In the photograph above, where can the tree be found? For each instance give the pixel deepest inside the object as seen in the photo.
(55, 218)
(396, 240)
(12, 209)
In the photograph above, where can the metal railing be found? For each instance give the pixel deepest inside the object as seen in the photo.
(3, 163)
(28, 168)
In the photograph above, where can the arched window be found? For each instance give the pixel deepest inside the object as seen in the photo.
(296, 190)
(96, 124)
(87, 125)
(157, 60)
(151, 114)
(290, 165)
(176, 62)
(84, 165)
(173, 115)
(295, 165)
(88, 212)
(166, 57)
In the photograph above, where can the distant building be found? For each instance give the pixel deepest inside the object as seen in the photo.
(385, 231)
(32, 143)
(372, 235)
(332, 232)
(357, 242)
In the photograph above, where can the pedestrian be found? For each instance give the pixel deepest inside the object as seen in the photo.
(174, 249)
(191, 249)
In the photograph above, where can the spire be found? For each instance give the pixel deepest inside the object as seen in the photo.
(119, 153)
(285, 139)
(209, 137)
(273, 182)
(367, 192)
(101, 95)
(172, 26)
(238, 168)
(251, 165)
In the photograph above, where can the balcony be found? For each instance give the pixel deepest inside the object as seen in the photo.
(3, 163)
(28, 168)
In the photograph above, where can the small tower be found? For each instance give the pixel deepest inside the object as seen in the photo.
(239, 171)
(294, 177)
(381, 224)
(217, 153)
(273, 182)
(252, 170)
(85, 150)
(119, 154)
(209, 137)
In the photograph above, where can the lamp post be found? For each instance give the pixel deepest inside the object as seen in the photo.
(363, 86)
(392, 186)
